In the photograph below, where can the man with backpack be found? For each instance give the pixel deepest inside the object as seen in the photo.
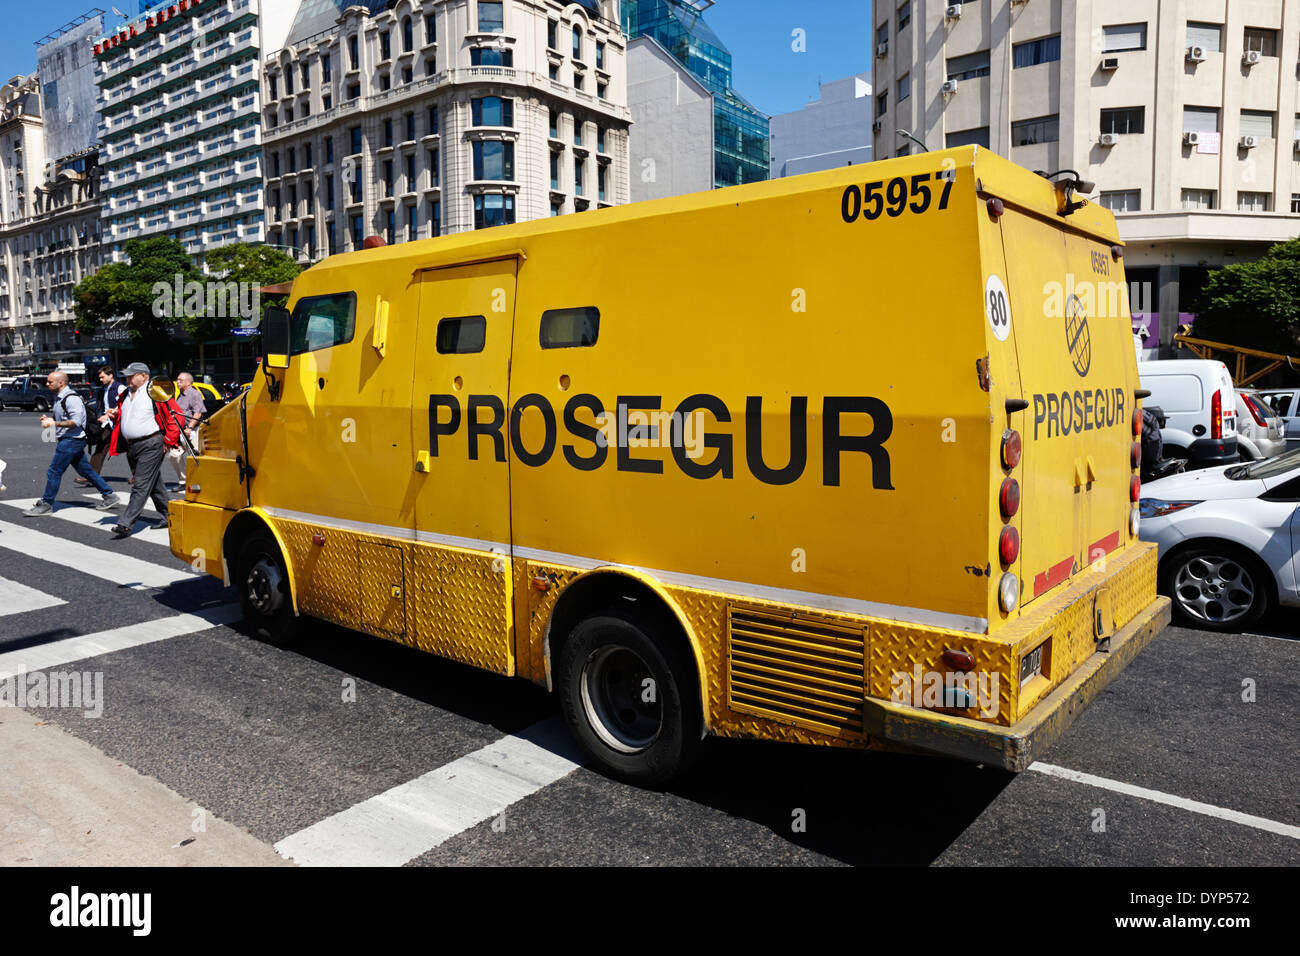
(69, 422)
(145, 430)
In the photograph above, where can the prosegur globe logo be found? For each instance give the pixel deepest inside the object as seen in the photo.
(1077, 335)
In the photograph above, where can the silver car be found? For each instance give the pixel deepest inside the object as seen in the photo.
(1261, 433)
(1285, 403)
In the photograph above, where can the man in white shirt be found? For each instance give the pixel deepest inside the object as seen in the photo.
(69, 423)
(138, 432)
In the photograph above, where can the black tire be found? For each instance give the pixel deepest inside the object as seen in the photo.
(601, 679)
(264, 596)
(1216, 586)
(40, 405)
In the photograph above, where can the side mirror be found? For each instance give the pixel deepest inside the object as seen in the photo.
(275, 338)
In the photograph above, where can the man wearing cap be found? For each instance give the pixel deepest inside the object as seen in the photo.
(69, 422)
(145, 430)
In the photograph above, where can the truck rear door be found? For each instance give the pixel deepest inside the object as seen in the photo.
(1077, 372)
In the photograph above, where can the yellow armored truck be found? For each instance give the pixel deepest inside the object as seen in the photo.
(845, 459)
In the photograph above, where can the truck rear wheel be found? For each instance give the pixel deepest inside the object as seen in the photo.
(629, 700)
(262, 582)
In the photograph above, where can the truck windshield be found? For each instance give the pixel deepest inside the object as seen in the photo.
(1268, 468)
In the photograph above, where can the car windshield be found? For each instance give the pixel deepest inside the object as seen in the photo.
(1268, 468)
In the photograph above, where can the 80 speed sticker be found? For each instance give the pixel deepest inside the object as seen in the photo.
(997, 307)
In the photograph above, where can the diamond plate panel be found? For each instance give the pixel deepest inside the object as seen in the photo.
(897, 650)
(536, 610)
(325, 577)
(381, 584)
(458, 605)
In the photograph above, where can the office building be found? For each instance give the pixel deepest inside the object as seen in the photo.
(425, 117)
(1185, 114)
(741, 148)
(832, 131)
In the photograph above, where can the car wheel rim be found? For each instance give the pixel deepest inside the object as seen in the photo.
(621, 699)
(263, 586)
(1214, 589)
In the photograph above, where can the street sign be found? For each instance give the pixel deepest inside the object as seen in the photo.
(244, 333)
(72, 368)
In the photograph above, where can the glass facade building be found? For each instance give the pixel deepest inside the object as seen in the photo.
(742, 142)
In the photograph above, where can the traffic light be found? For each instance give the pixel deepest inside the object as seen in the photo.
(76, 336)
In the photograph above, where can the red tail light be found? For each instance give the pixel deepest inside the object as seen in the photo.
(1009, 545)
(1010, 448)
(1137, 422)
(959, 660)
(1256, 411)
(1136, 455)
(1216, 415)
(1135, 488)
(1009, 497)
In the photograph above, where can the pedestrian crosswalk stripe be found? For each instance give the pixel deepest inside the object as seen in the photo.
(16, 598)
(83, 515)
(58, 653)
(400, 824)
(99, 562)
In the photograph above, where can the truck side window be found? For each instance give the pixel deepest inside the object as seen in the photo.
(462, 335)
(570, 328)
(322, 322)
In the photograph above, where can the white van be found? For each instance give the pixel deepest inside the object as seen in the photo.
(1200, 407)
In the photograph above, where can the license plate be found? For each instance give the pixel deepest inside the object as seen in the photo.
(1031, 665)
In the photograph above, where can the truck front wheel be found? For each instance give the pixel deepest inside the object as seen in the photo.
(629, 700)
(262, 582)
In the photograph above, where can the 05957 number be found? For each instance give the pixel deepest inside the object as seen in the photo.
(895, 197)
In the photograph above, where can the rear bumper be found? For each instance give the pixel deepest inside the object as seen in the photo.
(1208, 452)
(1016, 747)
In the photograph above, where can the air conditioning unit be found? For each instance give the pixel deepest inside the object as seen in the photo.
(1191, 139)
(1248, 142)
(1196, 54)
(953, 11)
(1110, 63)
(882, 49)
(949, 87)
(878, 126)
(1109, 139)
(1251, 57)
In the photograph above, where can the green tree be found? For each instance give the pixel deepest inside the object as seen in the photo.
(258, 265)
(129, 288)
(1254, 304)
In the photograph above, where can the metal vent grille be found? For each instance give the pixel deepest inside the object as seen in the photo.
(797, 669)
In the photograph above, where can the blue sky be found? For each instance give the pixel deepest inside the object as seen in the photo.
(758, 32)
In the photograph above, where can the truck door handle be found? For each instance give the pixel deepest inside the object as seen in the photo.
(422, 461)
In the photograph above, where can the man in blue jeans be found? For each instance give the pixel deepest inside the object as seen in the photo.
(69, 421)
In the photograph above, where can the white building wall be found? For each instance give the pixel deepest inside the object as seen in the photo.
(672, 125)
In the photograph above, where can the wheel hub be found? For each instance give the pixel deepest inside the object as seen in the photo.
(263, 585)
(621, 699)
(1214, 589)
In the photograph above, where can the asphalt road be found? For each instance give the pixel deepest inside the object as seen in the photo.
(276, 742)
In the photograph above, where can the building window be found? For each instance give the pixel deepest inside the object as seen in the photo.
(882, 104)
(385, 82)
(904, 15)
(412, 221)
(552, 34)
(1257, 123)
(493, 111)
(325, 73)
(435, 218)
(979, 136)
(1124, 38)
(1254, 202)
(407, 75)
(358, 232)
(577, 176)
(1034, 52)
(1122, 200)
(1208, 36)
(557, 207)
(410, 172)
(600, 139)
(275, 94)
(306, 155)
(579, 80)
(354, 91)
(433, 120)
(390, 233)
(555, 170)
(326, 101)
(491, 18)
(288, 82)
(430, 29)
(904, 87)
(388, 132)
(577, 43)
(1200, 119)
(385, 47)
(601, 87)
(355, 133)
(408, 35)
(600, 183)
(1129, 120)
(292, 155)
(600, 55)
(555, 125)
(306, 76)
(1044, 129)
(356, 186)
(489, 56)
(434, 179)
(1263, 42)
(1295, 202)
(1198, 199)
(388, 177)
(493, 210)
(882, 33)
(275, 165)
(494, 160)
(410, 127)
(352, 52)
(329, 149)
(329, 192)
(430, 66)
(969, 67)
